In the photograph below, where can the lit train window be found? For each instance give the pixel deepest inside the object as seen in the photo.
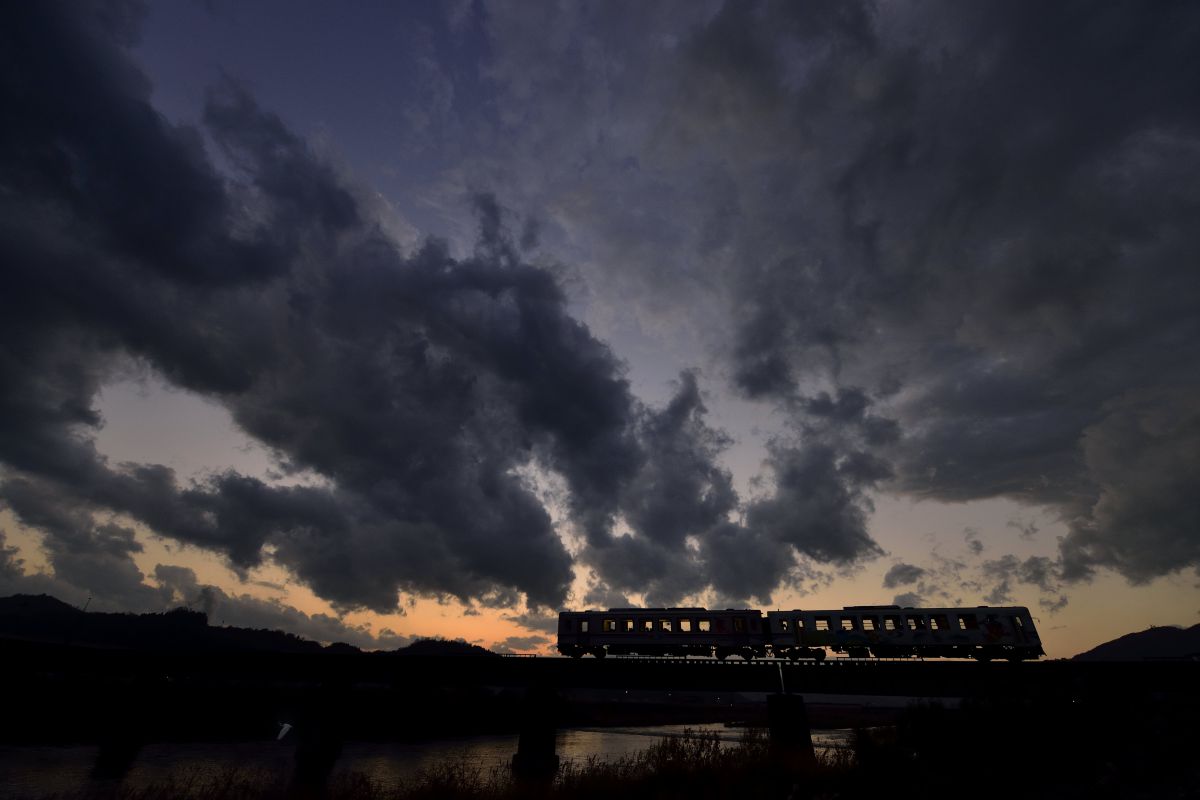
(704, 625)
(847, 623)
(916, 622)
(892, 623)
(967, 622)
(609, 626)
(583, 626)
(685, 626)
(783, 625)
(869, 623)
(822, 623)
(664, 625)
(627, 625)
(938, 622)
(647, 626)
(799, 623)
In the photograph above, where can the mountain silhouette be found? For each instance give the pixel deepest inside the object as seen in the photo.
(1166, 642)
(42, 618)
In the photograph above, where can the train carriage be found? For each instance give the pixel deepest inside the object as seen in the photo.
(662, 632)
(981, 632)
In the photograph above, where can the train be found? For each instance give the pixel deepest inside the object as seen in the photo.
(983, 633)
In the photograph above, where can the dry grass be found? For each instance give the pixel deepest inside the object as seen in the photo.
(692, 766)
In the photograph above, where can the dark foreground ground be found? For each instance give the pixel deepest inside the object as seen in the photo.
(983, 750)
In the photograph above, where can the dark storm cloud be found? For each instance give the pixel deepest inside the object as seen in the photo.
(815, 507)
(678, 506)
(678, 492)
(1144, 456)
(902, 575)
(983, 214)
(1013, 241)
(414, 385)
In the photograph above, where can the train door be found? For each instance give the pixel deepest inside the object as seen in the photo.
(739, 631)
(1019, 628)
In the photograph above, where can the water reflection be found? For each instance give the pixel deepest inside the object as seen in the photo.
(38, 771)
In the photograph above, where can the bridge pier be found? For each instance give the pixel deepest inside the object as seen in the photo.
(320, 736)
(791, 737)
(536, 760)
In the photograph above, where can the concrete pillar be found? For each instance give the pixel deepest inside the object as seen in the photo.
(535, 759)
(791, 738)
(319, 734)
(118, 750)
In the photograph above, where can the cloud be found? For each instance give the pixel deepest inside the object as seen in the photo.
(909, 600)
(954, 268)
(1026, 530)
(179, 586)
(546, 623)
(906, 214)
(1144, 456)
(520, 644)
(902, 575)
(1039, 571)
(416, 385)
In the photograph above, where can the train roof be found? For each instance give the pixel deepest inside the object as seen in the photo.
(855, 609)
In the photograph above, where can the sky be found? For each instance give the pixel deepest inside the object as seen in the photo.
(376, 321)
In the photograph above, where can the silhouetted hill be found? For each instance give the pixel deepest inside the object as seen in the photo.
(44, 619)
(41, 618)
(1152, 643)
(443, 647)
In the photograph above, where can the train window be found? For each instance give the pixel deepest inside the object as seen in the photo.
(822, 623)
(799, 623)
(685, 626)
(938, 622)
(647, 626)
(704, 625)
(664, 625)
(609, 626)
(847, 623)
(967, 622)
(739, 625)
(869, 624)
(916, 622)
(892, 623)
(627, 625)
(566, 625)
(583, 626)
(754, 624)
(783, 625)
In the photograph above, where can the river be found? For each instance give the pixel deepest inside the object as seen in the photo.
(31, 772)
